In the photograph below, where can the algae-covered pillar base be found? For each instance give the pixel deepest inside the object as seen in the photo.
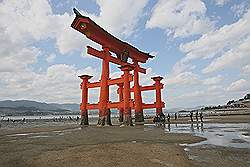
(127, 119)
(83, 105)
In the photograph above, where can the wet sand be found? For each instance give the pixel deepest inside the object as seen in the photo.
(71, 145)
(214, 156)
(94, 146)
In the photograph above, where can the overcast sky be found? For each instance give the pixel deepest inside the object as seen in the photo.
(201, 48)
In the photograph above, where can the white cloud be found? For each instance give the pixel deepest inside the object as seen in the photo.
(124, 16)
(51, 57)
(235, 57)
(154, 53)
(26, 21)
(221, 2)
(213, 80)
(60, 83)
(218, 41)
(239, 85)
(145, 79)
(240, 9)
(184, 78)
(196, 95)
(181, 66)
(18, 59)
(215, 88)
(180, 17)
(246, 69)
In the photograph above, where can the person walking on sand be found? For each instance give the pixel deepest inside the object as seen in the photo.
(175, 116)
(191, 116)
(201, 116)
(196, 116)
(168, 117)
(155, 120)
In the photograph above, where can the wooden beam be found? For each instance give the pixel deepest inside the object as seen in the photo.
(147, 88)
(92, 106)
(152, 105)
(99, 54)
(120, 104)
(116, 105)
(110, 82)
(93, 85)
(95, 52)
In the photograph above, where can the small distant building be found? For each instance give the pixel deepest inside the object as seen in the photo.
(241, 103)
(247, 96)
(246, 103)
(238, 104)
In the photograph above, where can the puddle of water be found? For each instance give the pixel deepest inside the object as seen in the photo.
(25, 134)
(227, 135)
(19, 134)
(218, 134)
(39, 136)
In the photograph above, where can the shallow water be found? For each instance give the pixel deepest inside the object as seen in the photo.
(227, 134)
(235, 135)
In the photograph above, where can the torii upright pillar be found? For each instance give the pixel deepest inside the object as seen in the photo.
(120, 92)
(139, 119)
(83, 106)
(104, 90)
(158, 102)
(127, 119)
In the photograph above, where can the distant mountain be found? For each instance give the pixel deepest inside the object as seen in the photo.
(74, 107)
(27, 104)
(27, 107)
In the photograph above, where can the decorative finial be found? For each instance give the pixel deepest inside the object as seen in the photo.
(77, 12)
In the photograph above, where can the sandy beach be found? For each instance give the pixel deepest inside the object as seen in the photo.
(69, 144)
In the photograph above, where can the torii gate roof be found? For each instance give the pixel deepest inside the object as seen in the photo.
(97, 34)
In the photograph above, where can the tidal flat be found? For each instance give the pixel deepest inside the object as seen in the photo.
(212, 143)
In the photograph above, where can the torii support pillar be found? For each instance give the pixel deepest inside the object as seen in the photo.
(104, 113)
(139, 119)
(83, 106)
(127, 119)
(120, 92)
(158, 95)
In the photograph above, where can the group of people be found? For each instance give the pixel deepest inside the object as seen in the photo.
(60, 119)
(13, 120)
(161, 118)
(196, 116)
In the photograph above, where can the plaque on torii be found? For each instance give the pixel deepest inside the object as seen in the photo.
(122, 51)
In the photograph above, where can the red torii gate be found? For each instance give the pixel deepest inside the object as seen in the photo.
(123, 51)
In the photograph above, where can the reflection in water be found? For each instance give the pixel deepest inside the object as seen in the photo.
(202, 130)
(169, 127)
(197, 127)
(192, 127)
(228, 135)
